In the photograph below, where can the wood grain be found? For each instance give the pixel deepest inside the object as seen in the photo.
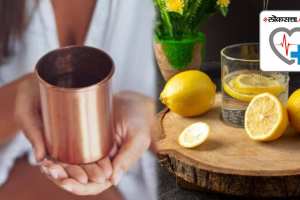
(229, 162)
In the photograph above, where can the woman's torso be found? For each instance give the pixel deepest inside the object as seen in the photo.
(73, 19)
(121, 28)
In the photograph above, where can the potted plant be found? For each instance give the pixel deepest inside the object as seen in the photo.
(178, 43)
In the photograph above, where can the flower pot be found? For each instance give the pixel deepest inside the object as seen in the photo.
(174, 56)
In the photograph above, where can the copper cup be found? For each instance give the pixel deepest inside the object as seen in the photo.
(76, 103)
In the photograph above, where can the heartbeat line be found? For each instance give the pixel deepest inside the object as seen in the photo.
(286, 45)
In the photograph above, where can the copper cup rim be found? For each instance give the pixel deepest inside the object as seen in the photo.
(81, 89)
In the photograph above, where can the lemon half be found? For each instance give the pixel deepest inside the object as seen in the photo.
(266, 118)
(293, 107)
(194, 135)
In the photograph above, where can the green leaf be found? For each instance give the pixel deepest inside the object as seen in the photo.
(224, 11)
(172, 25)
(165, 17)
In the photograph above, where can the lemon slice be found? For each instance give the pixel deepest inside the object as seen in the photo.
(253, 83)
(194, 135)
(265, 118)
(231, 91)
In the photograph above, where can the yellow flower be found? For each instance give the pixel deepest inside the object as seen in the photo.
(175, 6)
(223, 3)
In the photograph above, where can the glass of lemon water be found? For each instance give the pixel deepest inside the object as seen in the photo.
(242, 79)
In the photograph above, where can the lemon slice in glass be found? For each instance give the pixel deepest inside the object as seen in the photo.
(254, 83)
(231, 91)
(266, 118)
(194, 135)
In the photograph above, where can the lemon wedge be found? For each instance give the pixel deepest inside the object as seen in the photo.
(254, 83)
(194, 135)
(266, 118)
(229, 88)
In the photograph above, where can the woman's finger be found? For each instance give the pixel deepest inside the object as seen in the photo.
(106, 165)
(74, 187)
(113, 150)
(95, 173)
(28, 116)
(76, 172)
(77, 188)
(46, 162)
(36, 141)
(31, 125)
(56, 171)
(130, 151)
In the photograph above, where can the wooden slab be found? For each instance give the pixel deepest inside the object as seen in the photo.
(229, 162)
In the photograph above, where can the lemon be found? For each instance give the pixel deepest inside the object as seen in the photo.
(194, 135)
(231, 91)
(189, 93)
(293, 107)
(254, 83)
(266, 118)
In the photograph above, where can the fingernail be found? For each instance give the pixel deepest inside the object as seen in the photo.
(53, 173)
(83, 180)
(45, 161)
(67, 187)
(113, 151)
(45, 170)
(37, 156)
(118, 177)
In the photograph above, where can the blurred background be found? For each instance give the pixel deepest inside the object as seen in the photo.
(241, 25)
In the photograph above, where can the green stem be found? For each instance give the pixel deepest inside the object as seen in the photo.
(169, 25)
(165, 17)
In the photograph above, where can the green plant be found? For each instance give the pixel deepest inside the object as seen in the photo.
(179, 19)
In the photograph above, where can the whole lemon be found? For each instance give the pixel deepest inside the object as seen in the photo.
(189, 93)
(293, 107)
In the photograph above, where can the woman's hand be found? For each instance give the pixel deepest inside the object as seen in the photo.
(133, 114)
(28, 114)
(81, 180)
(90, 179)
(134, 117)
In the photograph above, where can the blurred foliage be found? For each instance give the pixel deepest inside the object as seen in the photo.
(179, 19)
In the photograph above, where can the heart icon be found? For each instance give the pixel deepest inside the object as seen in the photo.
(273, 47)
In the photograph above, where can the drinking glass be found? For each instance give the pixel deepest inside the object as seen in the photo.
(242, 79)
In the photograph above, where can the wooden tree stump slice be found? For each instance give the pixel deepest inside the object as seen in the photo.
(229, 161)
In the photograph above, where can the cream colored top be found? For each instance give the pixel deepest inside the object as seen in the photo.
(124, 29)
(121, 28)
